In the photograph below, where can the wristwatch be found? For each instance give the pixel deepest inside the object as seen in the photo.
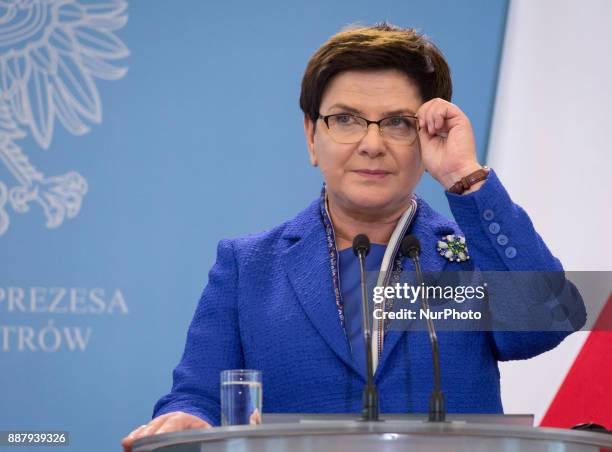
(466, 182)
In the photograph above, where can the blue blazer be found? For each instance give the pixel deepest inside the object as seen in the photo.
(269, 305)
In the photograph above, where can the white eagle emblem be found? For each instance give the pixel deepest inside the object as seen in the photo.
(50, 53)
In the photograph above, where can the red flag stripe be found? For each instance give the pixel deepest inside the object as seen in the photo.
(586, 392)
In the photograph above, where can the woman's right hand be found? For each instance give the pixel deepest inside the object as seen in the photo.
(166, 423)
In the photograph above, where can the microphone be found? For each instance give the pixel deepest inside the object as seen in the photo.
(361, 244)
(370, 412)
(411, 247)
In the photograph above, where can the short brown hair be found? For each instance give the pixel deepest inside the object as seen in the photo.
(382, 46)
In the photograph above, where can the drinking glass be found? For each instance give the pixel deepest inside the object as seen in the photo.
(241, 397)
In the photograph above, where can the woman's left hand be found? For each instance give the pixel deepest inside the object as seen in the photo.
(448, 149)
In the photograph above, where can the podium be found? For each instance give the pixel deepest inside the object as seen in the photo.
(397, 433)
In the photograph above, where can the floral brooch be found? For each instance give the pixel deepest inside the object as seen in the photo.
(453, 248)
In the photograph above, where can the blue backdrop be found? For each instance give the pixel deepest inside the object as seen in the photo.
(125, 116)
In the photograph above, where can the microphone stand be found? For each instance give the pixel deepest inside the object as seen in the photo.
(437, 408)
(370, 393)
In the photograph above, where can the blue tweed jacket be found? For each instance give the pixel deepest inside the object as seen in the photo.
(269, 305)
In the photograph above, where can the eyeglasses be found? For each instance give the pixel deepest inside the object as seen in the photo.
(346, 128)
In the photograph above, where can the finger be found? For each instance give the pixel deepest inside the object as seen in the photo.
(135, 431)
(182, 422)
(152, 426)
(438, 118)
(196, 422)
(129, 439)
(432, 112)
(422, 114)
(428, 113)
(438, 115)
(255, 417)
(424, 137)
(444, 117)
(142, 431)
(127, 443)
(173, 424)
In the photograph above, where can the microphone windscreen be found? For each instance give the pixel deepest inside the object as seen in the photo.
(410, 246)
(361, 243)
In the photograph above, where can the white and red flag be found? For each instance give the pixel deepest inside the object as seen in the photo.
(551, 144)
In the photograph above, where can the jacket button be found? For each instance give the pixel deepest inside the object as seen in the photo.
(502, 240)
(510, 252)
(488, 215)
(494, 228)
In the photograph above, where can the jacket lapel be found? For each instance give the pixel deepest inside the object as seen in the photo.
(307, 264)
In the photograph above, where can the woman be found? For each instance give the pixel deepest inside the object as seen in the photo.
(377, 114)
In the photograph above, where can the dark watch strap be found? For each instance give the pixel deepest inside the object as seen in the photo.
(466, 182)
